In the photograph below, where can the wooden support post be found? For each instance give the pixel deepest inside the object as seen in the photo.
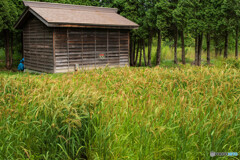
(54, 55)
(119, 39)
(39, 65)
(107, 48)
(68, 48)
(129, 54)
(95, 52)
(28, 46)
(82, 46)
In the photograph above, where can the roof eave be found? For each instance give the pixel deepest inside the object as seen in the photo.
(39, 17)
(52, 24)
(16, 26)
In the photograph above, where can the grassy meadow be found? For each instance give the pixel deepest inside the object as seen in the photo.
(164, 112)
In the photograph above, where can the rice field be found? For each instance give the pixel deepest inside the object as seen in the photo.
(181, 112)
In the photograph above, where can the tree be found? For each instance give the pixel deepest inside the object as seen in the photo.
(150, 25)
(236, 8)
(196, 25)
(210, 14)
(143, 31)
(181, 15)
(130, 10)
(165, 25)
(228, 21)
(9, 12)
(174, 28)
(214, 20)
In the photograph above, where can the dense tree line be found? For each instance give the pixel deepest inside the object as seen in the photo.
(210, 21)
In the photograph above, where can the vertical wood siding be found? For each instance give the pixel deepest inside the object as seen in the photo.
(56, 50)
(38, 46)
(86, 46)
(124, 48)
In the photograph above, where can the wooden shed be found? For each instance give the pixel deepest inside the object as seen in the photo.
(62, 38)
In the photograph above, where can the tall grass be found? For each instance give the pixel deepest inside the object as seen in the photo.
(181, 112)
(167, 54)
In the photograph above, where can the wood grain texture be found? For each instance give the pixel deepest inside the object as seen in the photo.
(85, 47)
(38, 46)
(55, 50)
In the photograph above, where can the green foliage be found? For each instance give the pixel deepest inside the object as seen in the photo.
(75, 2)
(135, 11)
(9, 12)
(232, 63)
(16, 58)
(165, 18)
(164, 15)
(181, 15)
(191, 16)
(167, 112)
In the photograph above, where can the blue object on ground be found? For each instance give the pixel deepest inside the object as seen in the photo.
(21, 65)
(22, 60)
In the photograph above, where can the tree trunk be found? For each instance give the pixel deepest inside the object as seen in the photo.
(196, 50)
(159, 48)
(216, 51)
(220, 52)
(7, 55)
(183, 48)
(216, 43)
(236, 45)
(136, 59)
(226, 46)
(149, 49)
(144, 54)
(200, 49)
(133, 52)
(140, 58)
(175, 47)
(208, 48)
(12, 51)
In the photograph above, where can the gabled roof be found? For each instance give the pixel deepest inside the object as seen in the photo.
(64, 15)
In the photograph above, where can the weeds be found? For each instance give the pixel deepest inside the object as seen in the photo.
(179, 112)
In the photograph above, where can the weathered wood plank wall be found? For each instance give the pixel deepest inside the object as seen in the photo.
(55, 50)
(38, 46)
(86, 48)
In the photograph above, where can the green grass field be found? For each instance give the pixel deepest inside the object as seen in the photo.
(167, 112)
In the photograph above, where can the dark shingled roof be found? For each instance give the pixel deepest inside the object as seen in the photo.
(65, 15)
